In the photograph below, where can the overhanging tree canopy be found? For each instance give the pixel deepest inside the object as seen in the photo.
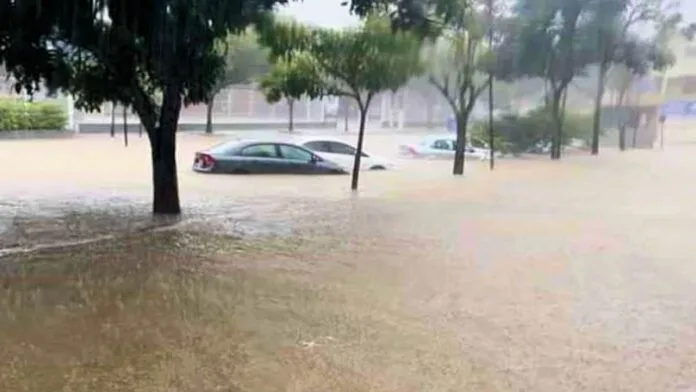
(353, 63)
(131, 51)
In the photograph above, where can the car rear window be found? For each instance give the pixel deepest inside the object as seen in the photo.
(224, 148)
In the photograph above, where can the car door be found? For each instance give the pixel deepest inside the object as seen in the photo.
(322, 148)
(260, 158)
(297, 160)
(344, 155)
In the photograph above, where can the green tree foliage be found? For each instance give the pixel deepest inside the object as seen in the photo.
(617, 44)
(292, 78)
(456, 66)
(534, 130)
(245, 60)
(133, 52)
(352, 63)
(128, 52)
(548, 39)
(19, 115)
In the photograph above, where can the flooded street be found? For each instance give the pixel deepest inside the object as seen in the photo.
(540, 276)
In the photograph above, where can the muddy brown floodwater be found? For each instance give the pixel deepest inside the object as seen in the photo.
(540, 276)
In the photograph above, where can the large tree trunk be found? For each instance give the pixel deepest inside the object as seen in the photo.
(163, 144)
(597, 118)
(491, 131)
(557, 124)
(358, 152)
(291, 115)
(557, 108)
(209, 115)
(460, 147)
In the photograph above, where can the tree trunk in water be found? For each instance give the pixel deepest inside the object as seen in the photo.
(635, 137)
(112, 131)
(460, 147)
(622, 137)
(209, 115)
(125, 126)
(291, 114)
(555, 139)
(557, 114)
(358, 152)
(597, 117)
(491, 131)
(163, 154)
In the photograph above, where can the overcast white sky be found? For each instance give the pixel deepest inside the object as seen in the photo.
(329, 13)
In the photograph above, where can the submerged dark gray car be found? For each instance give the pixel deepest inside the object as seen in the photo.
(262, 157)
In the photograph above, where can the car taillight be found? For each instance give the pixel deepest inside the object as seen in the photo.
(205, 160)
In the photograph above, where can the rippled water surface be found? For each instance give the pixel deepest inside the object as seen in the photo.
(541, 276)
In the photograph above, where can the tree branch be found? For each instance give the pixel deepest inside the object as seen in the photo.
(336, 73)
(444, 90)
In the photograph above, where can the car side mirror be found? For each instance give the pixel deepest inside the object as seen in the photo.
(314, 159)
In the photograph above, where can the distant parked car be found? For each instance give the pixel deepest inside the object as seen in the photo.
(441, 146)
(344, 153)
(262, 157)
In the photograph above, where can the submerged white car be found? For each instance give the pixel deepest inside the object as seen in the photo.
(343, 153)
(441, 146)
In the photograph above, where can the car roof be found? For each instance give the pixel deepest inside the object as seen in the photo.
(241, 143)
(441, 136)
(307, 139)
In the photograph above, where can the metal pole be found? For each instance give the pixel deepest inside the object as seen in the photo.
(125, 125)
(491, 135)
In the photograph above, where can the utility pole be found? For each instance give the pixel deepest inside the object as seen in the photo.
(491, 135)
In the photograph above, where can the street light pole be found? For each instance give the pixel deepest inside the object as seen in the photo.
(491, 136)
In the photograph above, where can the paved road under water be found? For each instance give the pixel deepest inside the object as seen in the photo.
(570, 276)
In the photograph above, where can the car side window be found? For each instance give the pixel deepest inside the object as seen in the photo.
(294, 153)
(442, 145)
(340, 148)
(260, 151)
(318, 146)
(344, 149)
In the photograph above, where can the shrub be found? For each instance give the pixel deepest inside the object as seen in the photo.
(524, 133)
(18, 115)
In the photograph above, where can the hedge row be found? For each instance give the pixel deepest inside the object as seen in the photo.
(528, 132)
(18, 115)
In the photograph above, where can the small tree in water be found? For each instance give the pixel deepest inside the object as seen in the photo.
(292, 78)
(244, 61)
(353, 63)
(457, 62)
